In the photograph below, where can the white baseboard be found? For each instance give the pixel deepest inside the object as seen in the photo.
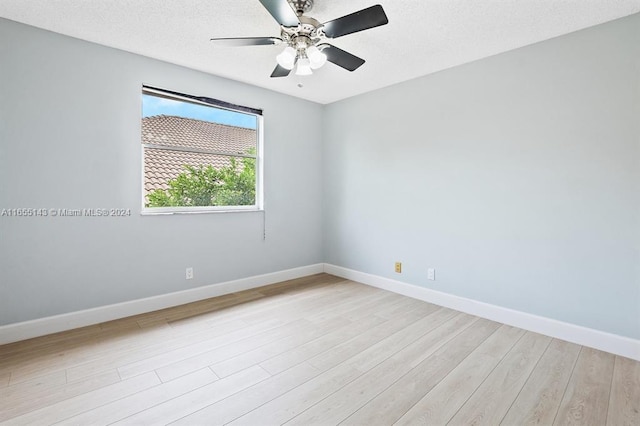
(42, 326)
(612, 343)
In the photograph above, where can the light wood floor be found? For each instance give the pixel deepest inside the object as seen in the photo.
(317, 350)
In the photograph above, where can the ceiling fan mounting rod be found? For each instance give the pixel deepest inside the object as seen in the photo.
(301, 6)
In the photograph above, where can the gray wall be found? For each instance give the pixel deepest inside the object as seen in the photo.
(70, 138)
(516, 177)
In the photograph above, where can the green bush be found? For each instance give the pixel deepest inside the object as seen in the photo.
(208, 186)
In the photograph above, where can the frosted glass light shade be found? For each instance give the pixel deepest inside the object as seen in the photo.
(304, 67)
(316, 57)
(287, 58)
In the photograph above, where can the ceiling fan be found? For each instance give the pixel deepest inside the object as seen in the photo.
(304, 36)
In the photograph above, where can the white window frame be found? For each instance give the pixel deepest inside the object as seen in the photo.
(259, 163)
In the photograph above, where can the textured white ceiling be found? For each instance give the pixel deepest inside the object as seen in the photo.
(422, 37)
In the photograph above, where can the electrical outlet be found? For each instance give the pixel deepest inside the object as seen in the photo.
(431, 274)
(399, 267)
(189, 273)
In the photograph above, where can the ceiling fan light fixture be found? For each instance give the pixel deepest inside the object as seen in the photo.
(316, 57)
(304, 67)
(287, 58)
(304, 36)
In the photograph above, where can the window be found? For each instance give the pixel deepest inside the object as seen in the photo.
(199, 154)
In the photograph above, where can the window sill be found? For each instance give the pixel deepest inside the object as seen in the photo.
(163, 212)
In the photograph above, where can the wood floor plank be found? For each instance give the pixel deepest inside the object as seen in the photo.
(393, 402)
(539, 400)
(53, 357)
(47, 380)
(192, 317)
(84, 402)
(327, 342)
(276, 347)
(586, 398)
(143, 400)
(46, 397)
(337, 374)
(440, 404)
(184, 365)
(356, 308)
(4, 379)
(312, 307)
(243, 402)
(302, 284)
(235, 300)
(196, 309)
(624, 403)
(128, 323)
(233, 305)
(46, 359)
(307, 304)
(84, 350)
(156, 344)
(491, 401)
(31, 389)
(421, 364)
(271, 317)
(353, 347)
(360, 312)
(40, 349)
(223, 346)
(20, 350)
(77, 348)
(197, 399)
(392, 309)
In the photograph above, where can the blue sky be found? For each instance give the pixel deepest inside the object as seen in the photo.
(152, 105)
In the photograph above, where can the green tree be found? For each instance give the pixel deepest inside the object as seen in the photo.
(232, 185)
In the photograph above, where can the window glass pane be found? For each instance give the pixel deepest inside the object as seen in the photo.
(197, 155)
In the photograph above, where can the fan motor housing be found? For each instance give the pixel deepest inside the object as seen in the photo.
(309, 29)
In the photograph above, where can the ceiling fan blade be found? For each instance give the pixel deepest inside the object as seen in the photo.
(281, 12)
(340, 57)
(364, 19)
(246, 41)
(280, 72)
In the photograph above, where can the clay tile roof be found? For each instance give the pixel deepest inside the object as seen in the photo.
(161, 165)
